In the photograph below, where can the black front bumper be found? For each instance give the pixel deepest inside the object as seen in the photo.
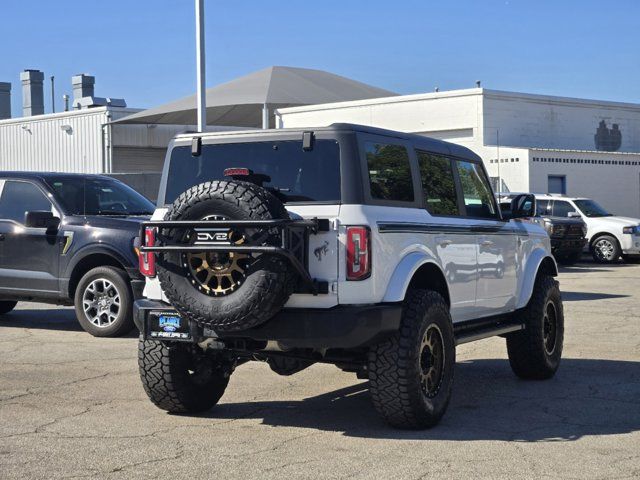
(563, 246)
(342, 327)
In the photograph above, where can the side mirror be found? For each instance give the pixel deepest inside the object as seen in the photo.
(41, 219)
(505, 208)
(523, 206)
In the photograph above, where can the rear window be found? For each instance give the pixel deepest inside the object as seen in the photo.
(294, 175)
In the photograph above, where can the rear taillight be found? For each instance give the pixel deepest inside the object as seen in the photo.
(147, 260)
(358, 253)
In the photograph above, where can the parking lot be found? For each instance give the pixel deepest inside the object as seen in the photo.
(72, 406)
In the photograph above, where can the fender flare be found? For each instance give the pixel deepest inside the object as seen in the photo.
(403, 274)
(530, 274)
(99, 249)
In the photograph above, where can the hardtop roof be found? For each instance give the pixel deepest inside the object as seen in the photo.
(418, 140)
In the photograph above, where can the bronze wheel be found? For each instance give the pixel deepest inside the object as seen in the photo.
(218, 273)
(431, 361)
(550, 327)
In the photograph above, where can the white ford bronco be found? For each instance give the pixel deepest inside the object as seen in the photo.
(373, 250)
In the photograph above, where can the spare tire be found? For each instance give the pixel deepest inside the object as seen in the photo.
(226, 291)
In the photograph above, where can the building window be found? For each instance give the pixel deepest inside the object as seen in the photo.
(557, 184)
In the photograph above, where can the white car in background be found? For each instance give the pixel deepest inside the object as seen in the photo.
(608, 236)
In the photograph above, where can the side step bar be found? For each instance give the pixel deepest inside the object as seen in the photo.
(478, 329)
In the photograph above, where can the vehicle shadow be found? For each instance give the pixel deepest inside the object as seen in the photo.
(60, 319)
(54, 319)
(582, 296)
(588, 265)
(587, 397)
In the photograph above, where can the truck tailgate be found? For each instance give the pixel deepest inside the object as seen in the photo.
(323, 256)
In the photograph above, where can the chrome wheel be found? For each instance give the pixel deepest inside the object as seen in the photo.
(431, 361)
(604, 249)
(550, 327)
(101, 302)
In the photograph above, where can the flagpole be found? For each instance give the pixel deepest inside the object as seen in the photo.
(201, 99)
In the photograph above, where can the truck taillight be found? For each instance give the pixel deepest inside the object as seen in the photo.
(358, 253)
(147, 260)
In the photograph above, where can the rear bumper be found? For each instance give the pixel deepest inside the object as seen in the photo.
(344, 327)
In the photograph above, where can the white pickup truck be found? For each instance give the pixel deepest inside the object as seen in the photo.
(373, 250)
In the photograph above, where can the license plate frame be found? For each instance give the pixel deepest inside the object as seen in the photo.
(167, 324)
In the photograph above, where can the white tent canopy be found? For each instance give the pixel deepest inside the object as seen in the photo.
(242, 102)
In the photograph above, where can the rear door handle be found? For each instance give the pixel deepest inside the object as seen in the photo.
(486, 243)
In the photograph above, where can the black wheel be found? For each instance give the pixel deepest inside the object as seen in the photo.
(104, 302)
(411, 373)
(226, 291)
(569, 259)
(180, 378)
(6, 306)
(605, 249)
(535, 352)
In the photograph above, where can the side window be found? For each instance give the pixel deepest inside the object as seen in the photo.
(543, 207)
(562, 208)
(478, 199)
(438, 184)
(19, 198)
(389, 172)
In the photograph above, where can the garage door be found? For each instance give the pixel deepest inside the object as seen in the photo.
(138, 159)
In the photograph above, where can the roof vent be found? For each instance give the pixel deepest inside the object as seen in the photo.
(5, 100)
(32, 92)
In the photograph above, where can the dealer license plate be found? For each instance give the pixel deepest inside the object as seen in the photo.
(167, 325)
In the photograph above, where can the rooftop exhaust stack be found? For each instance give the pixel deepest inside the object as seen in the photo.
(32, 92)
(83, 86)
(5, 100)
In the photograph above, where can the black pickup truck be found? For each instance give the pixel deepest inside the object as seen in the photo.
(567, 235)
(68, 239)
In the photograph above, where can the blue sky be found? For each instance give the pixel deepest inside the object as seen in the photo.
(143, 50)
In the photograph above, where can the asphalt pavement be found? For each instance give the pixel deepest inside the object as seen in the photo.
(72, 406)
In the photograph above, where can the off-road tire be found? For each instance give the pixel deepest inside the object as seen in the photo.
(123, 323)
(395, 365)
(270, 279)
(6, 306)
(179, 379)
(529, 357)
(614, 245)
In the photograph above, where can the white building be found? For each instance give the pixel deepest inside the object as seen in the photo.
(85, 141)
(528, 142)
